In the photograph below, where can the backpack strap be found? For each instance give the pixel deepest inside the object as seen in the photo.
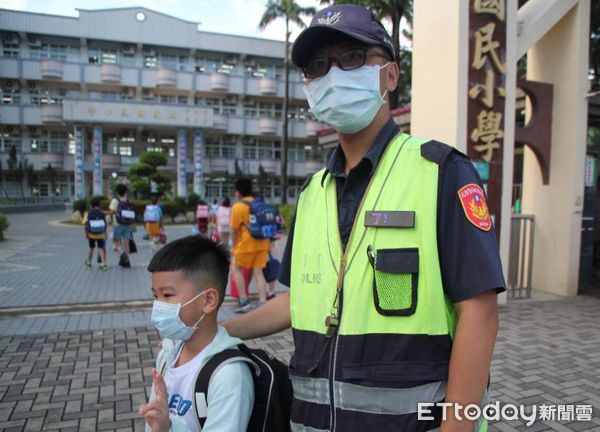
(207, 371)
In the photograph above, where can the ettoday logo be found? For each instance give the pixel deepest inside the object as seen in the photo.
(496, 412)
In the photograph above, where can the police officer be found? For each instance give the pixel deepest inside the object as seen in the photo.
(392, 262)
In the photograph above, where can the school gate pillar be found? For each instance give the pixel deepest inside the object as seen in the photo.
(555, 36)
(447, 36)
(181, 161)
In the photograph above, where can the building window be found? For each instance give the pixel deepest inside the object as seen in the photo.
(103, 55)
(10, 45)
(168, 99)
(10, 139)
(210, 64)
(298, 151)
(250, 107)
(127, 94)
(34, 143)
(268, 150)
(109, 95)
(71, 144)
(298, 112)
(150, 61)
(220, 147)
(125, 150)
(269, 110)
(57, 142)
(52, 96)
(226, 106)
(261, 69)
(112, 144)
(49, 51)
(10, 93)
(249, 148)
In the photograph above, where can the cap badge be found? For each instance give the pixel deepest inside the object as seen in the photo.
(330, 18)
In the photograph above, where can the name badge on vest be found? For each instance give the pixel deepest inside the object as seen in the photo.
(390, 219)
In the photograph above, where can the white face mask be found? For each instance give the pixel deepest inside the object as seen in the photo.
(346, 100)
(165, 317)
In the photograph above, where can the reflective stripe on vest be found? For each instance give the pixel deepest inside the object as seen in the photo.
(382, 350)
(368, 399)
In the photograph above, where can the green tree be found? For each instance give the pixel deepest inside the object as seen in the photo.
(33, 178)
(146, 171)
(52, 177)
(290, 11)
(2, 181)
(263, 181)
(393, 10)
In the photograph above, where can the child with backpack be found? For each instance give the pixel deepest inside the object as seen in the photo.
(153, 219)
(189, 276)
(124, 213)
(205, 379)
(95, 232)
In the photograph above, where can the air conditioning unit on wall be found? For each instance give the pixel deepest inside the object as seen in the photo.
(11, 39)
(128, 49)
(34, 41)
(148, 52)
(12, 85)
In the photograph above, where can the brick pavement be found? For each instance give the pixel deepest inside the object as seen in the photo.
(88, 371)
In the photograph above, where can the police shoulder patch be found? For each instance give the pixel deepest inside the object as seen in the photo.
(473, 203)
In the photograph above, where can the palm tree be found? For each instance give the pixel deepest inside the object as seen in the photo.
(393, 10)
(290, 11)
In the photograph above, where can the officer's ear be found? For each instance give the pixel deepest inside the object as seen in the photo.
(392, 73)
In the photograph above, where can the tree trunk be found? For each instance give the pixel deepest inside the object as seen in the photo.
(396, 17)
(284, 141)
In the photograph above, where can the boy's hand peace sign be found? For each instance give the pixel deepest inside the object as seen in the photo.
(156, 412)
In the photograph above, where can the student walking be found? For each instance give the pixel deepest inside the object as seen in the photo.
(124, 213)
(95, 232)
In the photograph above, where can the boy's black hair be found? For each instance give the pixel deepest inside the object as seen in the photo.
(201, 260)
(121, 189)
(243, 186)
(95, 202)
(154, 199)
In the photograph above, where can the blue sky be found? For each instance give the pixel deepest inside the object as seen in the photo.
(223, 16)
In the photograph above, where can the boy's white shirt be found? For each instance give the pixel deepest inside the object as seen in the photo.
(230, 393)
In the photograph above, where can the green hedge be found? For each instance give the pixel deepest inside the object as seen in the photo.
(287, 211)
(3, 224)
(83, 205)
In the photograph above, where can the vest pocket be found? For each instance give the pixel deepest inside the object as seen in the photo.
(395, 280)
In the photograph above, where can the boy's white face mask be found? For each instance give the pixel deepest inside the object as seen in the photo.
(165, 317)
(346, 100)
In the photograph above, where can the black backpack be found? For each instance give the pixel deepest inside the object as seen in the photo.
(272, 387)
(125, 213)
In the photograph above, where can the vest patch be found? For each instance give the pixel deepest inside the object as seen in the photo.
(476, 210)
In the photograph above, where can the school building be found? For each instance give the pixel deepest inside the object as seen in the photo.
(88, 94)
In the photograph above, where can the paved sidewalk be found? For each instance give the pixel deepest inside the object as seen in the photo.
(90, 371)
